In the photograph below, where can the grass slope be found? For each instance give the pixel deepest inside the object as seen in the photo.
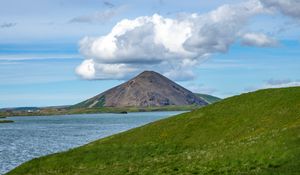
(254, 133)
(85, 104)
(208, 98)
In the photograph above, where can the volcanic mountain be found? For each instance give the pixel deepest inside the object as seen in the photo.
(148, 89)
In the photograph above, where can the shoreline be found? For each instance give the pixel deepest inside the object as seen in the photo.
(6, 121)
(113, 110)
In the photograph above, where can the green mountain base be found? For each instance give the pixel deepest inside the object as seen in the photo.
(209, 98)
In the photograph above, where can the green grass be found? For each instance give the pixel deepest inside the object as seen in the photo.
(6, 121)
(208, 98)
(85, 104)
(254, 133)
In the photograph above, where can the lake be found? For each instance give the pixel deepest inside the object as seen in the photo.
(35, 136)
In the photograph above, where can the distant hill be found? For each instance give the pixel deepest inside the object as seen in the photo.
(208, 98)
(148, 89)
(254, 133)
(20, 109)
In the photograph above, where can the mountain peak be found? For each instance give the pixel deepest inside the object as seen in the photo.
(149, 88)
(148, 73)
(149, 76)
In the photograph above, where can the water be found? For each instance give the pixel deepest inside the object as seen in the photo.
(31, 137)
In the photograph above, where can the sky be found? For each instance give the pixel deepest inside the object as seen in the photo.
(60, 52)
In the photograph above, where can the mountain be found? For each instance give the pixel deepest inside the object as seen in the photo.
(254, 133)
(148, 89)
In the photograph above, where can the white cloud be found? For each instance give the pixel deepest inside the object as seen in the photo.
(180, 75)
(279, 83)
(170, 46)
(100, 16)
(200, 88)
(8, 25)
(19, 57)
(109, 4)
(86, 69)
(275, 83)
(258, 40)
(287, 7)
(96, 17)
(290, 84)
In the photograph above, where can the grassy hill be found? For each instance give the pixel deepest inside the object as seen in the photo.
(209, 98)
(254, 133)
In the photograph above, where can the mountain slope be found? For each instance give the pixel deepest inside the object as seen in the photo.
(254, 133)
(208, 98)
(145, 90)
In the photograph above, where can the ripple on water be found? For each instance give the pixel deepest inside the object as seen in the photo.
(31, 137)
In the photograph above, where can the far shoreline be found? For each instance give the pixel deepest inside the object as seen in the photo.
(109, 110)
(6, 121)
(66, 115)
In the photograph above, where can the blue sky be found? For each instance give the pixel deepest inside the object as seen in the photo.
(40, 48)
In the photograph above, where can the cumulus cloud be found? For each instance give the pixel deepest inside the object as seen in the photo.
(87, 69)
(170, 46)
(8, 25)
(286, 7)
(258, 40)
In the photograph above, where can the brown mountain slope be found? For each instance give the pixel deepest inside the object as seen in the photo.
(147, 89)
